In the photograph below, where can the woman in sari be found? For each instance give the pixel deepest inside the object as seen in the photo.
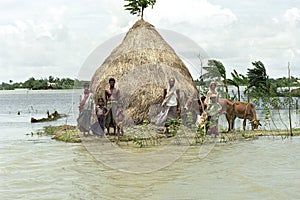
(85, 110)
(213, 108)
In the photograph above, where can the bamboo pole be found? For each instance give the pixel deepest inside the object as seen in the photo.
(289, 96)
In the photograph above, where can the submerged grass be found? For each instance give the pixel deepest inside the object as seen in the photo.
(65, 133)
(149, 137)
(252, 134)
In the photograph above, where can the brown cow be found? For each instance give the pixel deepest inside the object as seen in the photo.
(244, 111)
(227, 108)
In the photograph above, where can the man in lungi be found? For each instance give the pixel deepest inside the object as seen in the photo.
(112, 96)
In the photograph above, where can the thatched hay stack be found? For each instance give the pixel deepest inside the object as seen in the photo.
(142, 65)
(141, 101)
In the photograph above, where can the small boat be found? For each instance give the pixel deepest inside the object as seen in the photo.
(51, 117)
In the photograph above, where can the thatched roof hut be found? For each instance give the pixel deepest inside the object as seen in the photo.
(142, 65)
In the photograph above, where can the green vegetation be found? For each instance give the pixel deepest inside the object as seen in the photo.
(249, 134)
(44, 84)
(257, 82)
(146, 136)
(237, 81)
(137, 7)
(216, 68)
(143, 135)
(265, 93)
(65, 133)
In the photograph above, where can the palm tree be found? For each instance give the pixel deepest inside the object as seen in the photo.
(237, 80)
(259, 82)
(245, 82)
(235, 83)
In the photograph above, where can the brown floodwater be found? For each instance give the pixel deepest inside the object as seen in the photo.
(36, 167)
(40, 168)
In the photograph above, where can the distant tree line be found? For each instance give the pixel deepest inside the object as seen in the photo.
(44, 84)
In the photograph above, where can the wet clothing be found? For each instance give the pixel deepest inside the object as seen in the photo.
(213, 111)
(169, 107)
(85, 109)
(211, 94)
(112, 96)
(101, 115)
(110, 120)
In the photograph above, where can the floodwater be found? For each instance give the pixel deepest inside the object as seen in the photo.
(36, 167)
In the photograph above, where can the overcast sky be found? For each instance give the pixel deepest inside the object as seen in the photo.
(55, 37)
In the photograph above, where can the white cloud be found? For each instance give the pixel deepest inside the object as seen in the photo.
(275, 20)
(37, 45)
(197, 13)
(292, 15)
(41, 38)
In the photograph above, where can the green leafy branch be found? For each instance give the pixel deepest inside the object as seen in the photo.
(137, 7)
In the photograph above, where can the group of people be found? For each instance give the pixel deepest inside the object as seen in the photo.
(109, 110)
(171, 110)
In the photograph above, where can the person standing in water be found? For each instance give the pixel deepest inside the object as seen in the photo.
(85, 110)
(101, 111)
(213, 108)
(171, 106)
(112, 96)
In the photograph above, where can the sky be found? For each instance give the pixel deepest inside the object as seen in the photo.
(56, 37)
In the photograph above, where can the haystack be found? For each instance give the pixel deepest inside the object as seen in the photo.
(142, 65)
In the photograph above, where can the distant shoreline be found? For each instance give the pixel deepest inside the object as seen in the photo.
(28, 91)
(44, 84)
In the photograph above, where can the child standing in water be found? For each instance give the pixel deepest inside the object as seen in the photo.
(101, 112)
